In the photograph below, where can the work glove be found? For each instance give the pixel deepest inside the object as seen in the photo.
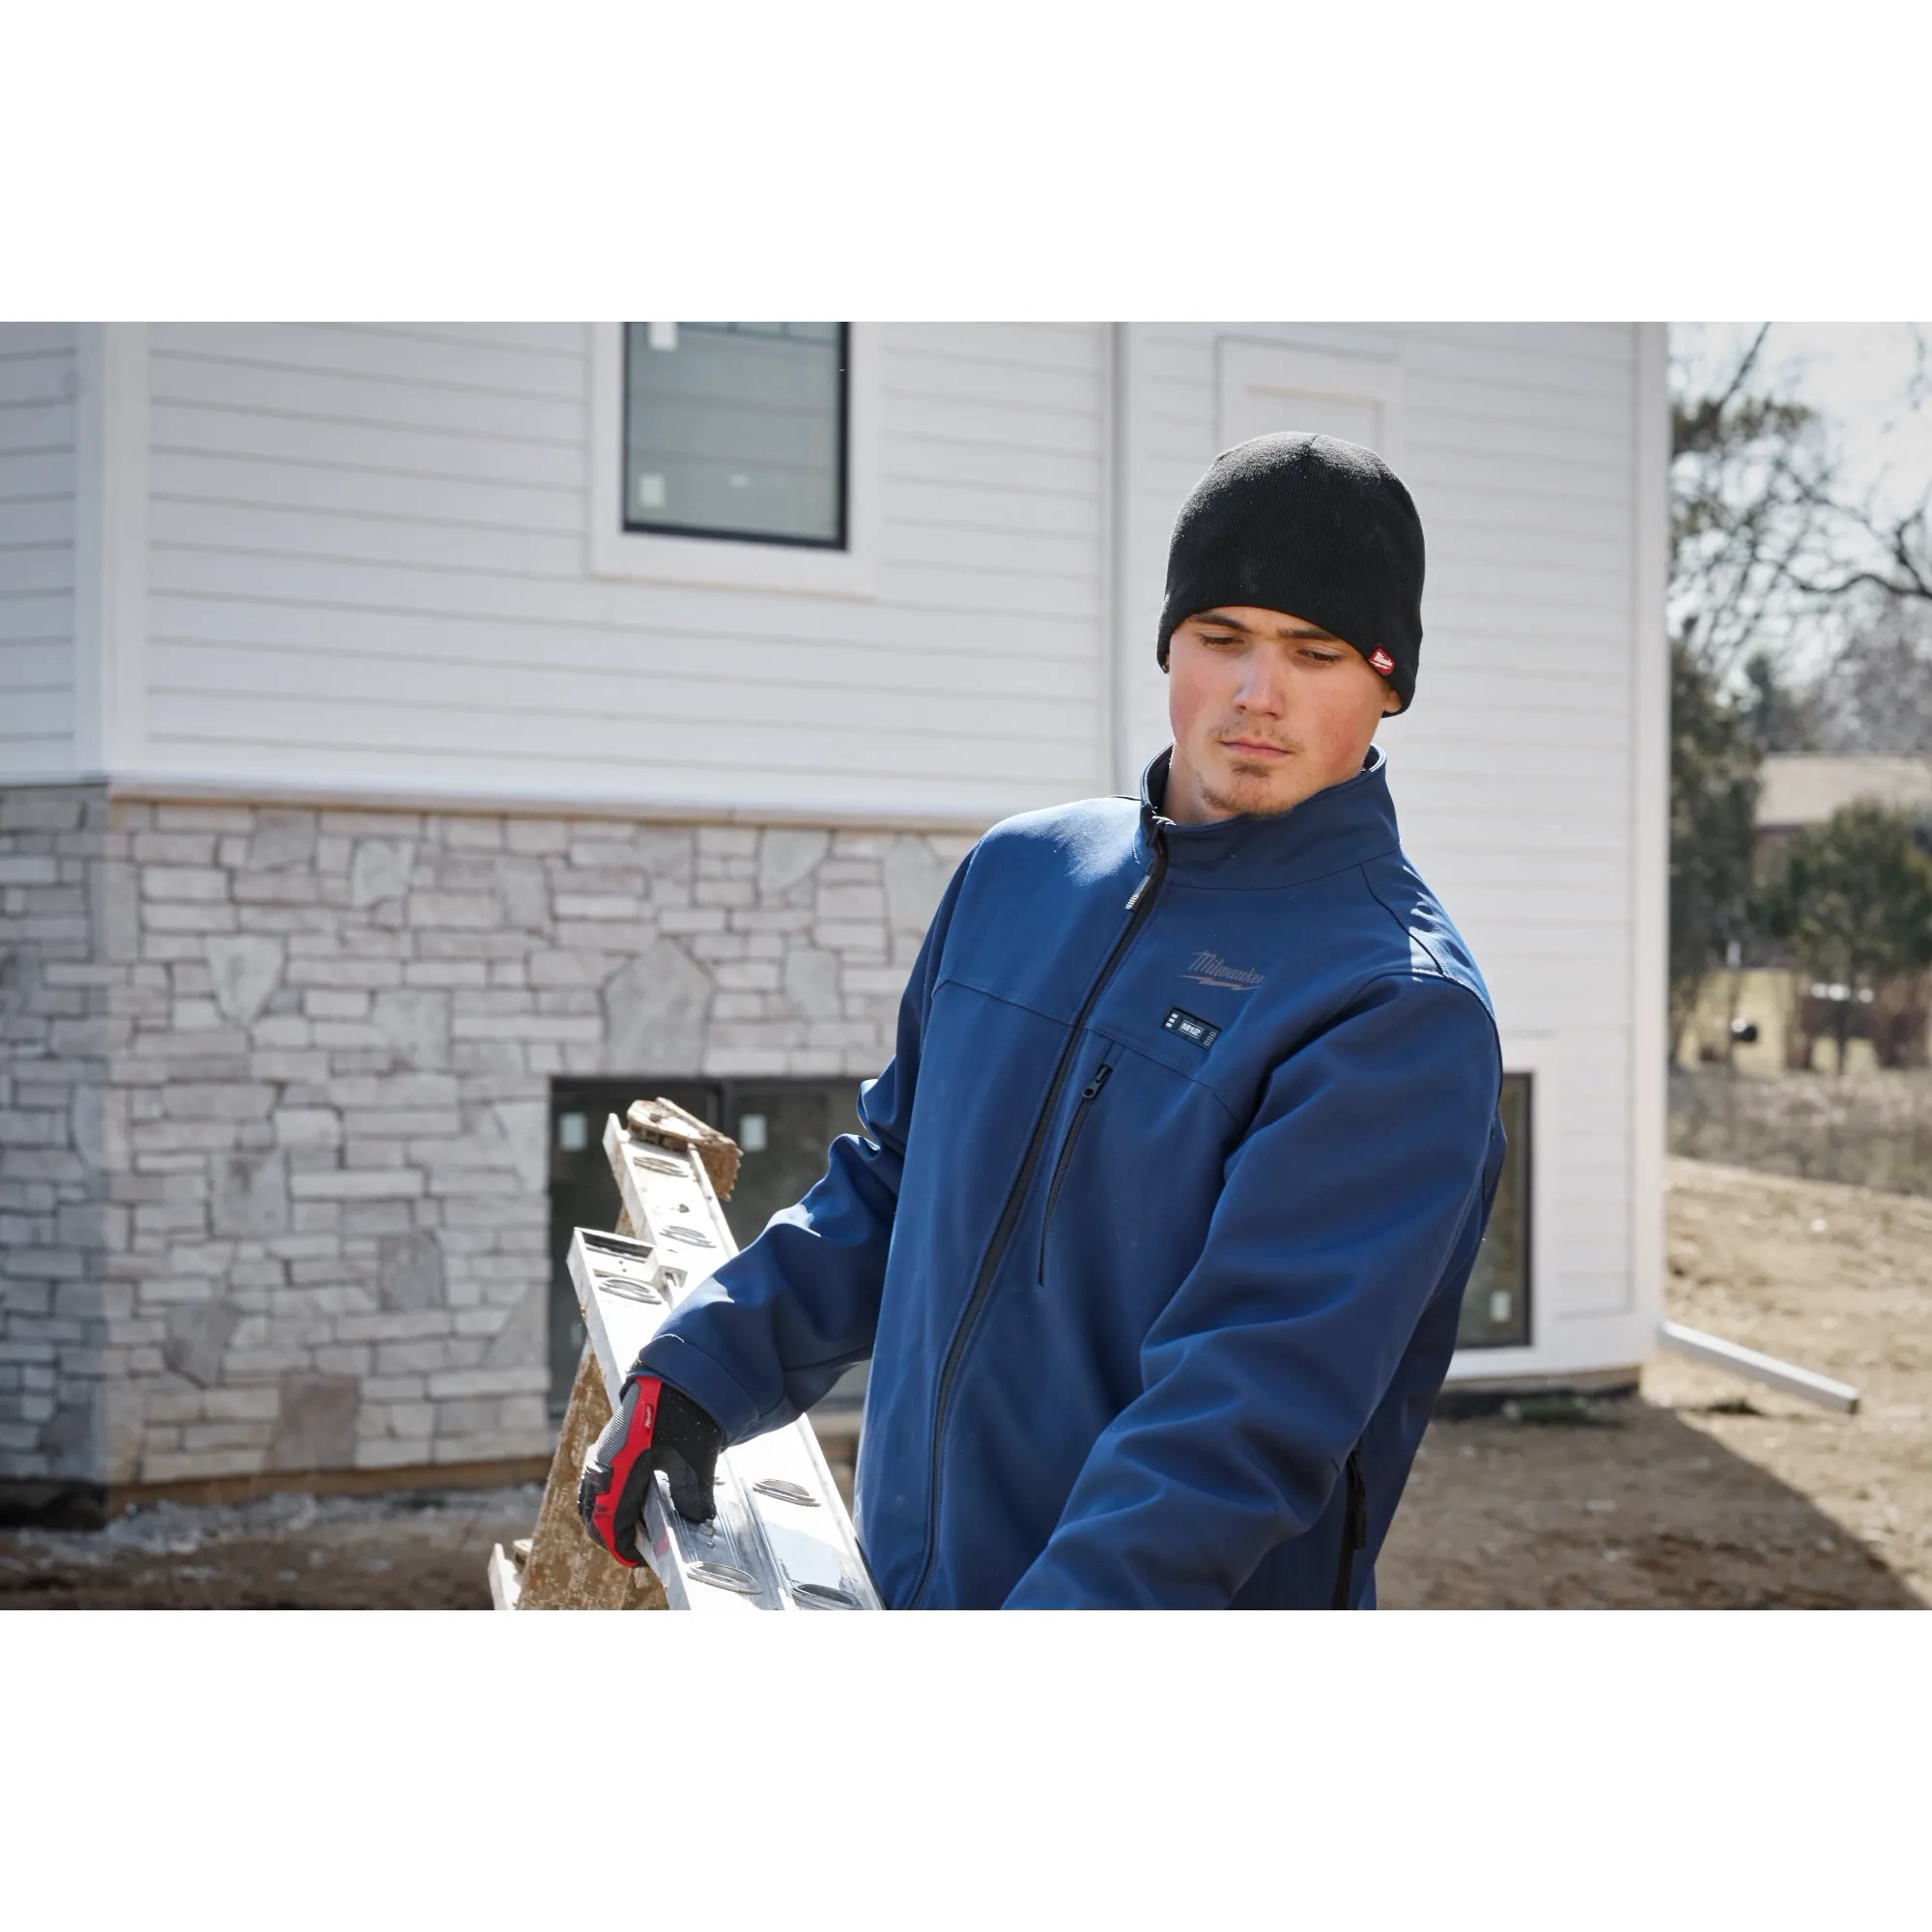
(654, 1426)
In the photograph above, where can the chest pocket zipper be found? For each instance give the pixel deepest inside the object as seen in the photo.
(1089, 1093)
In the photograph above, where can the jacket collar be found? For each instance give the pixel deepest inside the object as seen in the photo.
(1345, 825)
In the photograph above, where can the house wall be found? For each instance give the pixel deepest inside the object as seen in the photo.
(367, 567)
(586, 826)
(1515, 773)
(60, 945)
(333, 1037)
(38, 386)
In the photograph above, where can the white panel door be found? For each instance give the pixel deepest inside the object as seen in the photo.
(1265, 388)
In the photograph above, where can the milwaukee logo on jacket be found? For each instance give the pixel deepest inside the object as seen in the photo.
(1134, 1286)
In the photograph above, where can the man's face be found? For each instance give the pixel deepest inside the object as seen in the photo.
(1266, 710)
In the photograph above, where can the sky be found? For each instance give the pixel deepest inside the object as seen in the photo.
(1860, 377)
(1872, 388)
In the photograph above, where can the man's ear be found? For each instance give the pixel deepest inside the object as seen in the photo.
(1391, 702)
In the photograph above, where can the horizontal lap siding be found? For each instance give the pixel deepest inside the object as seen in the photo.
(38, 378)
(1514, 773)
(368, 568)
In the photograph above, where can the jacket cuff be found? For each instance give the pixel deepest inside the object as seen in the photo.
(673, 1360)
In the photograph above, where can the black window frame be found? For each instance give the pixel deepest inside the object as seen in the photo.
(633, 526)
(1521, 1154)
(596, 1097)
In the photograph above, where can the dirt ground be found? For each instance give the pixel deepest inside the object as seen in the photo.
(423, 1549)
(1705, 1491)
(1702, 1492)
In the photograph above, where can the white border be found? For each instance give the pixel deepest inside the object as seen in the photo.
(1535, 1055)
(1271, 368)
(648, 558)
(110, 551)
(1650, 827)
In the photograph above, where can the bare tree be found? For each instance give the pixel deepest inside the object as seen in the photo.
(1876, 695)
(1752, 483)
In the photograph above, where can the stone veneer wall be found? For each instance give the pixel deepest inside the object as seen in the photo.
(59, 942)
(319, 1223)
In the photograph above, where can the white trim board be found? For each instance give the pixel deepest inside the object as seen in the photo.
(1650, 824)
(110, 560)
(646, 556)
(160, 788)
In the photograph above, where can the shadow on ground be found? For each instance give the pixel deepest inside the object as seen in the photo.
(1620, 1505)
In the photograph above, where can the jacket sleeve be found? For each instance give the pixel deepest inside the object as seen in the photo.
(770, 1332)
(1338, 1213)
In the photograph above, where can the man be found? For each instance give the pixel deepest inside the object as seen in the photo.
(1159, 1224)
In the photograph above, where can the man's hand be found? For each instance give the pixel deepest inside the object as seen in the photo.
(655, 1427)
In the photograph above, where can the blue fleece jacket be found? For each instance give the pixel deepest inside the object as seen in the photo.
(1161, 1215)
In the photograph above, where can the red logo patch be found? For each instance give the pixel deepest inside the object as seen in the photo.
(1382, 661)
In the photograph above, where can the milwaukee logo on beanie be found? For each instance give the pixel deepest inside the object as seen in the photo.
(1314, 527)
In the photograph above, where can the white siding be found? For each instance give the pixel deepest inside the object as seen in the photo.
(367, 567)
(1513, 773)
(37, 385)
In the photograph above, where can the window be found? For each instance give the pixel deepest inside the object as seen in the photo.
(1495, 1306)
(735, 454)
(736, 429)
(784, 1128)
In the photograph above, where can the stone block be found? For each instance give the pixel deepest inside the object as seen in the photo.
(416, 1023)
(37, 809)
(307, 1126)
(812, 983)
(655, 1010)
(315, 1427)
(356, 1184)
(409, 1272)
(381, 869)
(464, 912)
(282, 840)
(915, 879)
(197, 1337)
(244, 970)
(523, 1340)
(852, 903)
(861, 936)
(525, 895)
(252, 1197)
(194, 884)
(541, 836)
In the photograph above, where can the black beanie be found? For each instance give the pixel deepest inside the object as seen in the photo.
(1311, 526)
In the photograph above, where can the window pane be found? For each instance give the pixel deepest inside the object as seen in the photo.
(736, 429)
(1496, 1307)
(784, 1127)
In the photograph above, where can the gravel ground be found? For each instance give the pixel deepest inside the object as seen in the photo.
(424, 1550)
(1702, 1492)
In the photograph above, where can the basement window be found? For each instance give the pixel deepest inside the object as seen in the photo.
(737, 430)
(1495, 1306)
(784, 1129)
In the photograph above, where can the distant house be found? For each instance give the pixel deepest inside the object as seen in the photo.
(416, 739)
(1801, 789)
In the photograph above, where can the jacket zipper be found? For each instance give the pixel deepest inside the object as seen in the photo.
(1355, 1526)
(1138, 907)
(1089, 1093)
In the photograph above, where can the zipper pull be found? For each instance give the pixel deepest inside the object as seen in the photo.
(1094, 1086)
(1140, 890)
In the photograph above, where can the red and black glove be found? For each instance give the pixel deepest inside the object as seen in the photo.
(656, 1427)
